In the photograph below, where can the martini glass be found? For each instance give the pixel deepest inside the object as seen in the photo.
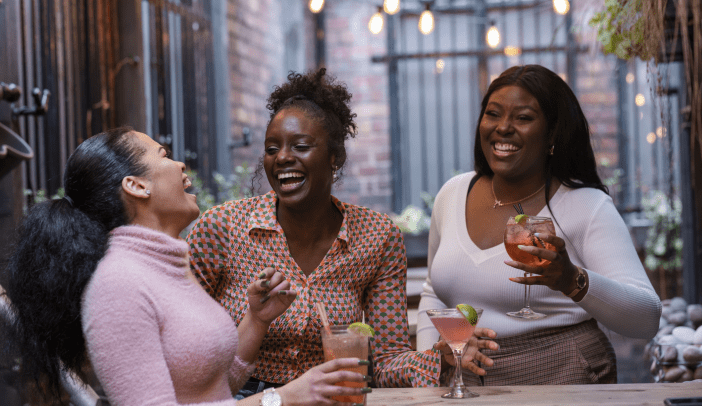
(522, 233)
(457, 331)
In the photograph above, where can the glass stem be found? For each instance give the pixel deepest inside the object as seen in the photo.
(458, 379)
(527, 299)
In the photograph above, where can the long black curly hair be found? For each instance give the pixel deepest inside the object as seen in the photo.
(323, 99)
(60, 244)
(573, 160)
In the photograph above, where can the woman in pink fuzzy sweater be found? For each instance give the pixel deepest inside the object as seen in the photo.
(101, 276)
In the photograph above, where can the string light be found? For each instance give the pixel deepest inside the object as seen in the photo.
(375, 25)
(440, 65)
(316, 6)
(661, 132)
(391, 6)
(561, 6)
(512, 51)
(630, 78)
(640, 100)
(651, 138)
(493, 36)
(426, 21)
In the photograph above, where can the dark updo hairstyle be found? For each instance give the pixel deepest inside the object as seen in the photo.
(323, 99)
(60, 244)
(573, 160)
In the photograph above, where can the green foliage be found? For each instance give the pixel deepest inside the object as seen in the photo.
(32, 198)
(621, 29)
(232, 187)
(412, 220)
(664, 242)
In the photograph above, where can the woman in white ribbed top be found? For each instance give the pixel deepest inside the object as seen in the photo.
(533, 147)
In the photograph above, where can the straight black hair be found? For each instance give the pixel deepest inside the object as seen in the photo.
(60, 244)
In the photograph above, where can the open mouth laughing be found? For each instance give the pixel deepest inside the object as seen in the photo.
(290, 181)
(504, 149)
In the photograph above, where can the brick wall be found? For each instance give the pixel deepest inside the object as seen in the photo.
(255, 52)
(350, 46)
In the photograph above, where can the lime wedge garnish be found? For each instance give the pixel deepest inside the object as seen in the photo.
(520, 217)
(469, 313)
(363, 329)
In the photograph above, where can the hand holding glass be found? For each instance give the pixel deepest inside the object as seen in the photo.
(522, 233)
(342, 343)
(457, 331)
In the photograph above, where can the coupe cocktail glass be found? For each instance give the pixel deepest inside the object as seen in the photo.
(522, 233)
(457, 331)
(342, 343)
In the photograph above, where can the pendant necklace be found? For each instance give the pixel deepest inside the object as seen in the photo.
(499, 203)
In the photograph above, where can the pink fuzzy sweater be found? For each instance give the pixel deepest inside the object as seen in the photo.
(153, 335)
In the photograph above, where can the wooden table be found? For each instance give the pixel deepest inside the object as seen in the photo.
(599, 395)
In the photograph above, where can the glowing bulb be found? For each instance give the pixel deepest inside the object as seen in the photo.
(391, 6)
(426, 21)
(561, 6)
(440, 65)
(512, 51)
(651, 138)
(661, 132)
(630, 78)
(640, 100)
(375, 25)
(493, 37)
(316, 6)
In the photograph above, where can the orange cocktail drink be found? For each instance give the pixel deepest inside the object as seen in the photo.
(343, 343)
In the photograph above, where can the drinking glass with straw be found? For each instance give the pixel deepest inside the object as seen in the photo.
(340, 342)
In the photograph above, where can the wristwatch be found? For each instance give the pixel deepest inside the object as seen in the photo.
(271, 398)
(580, 282)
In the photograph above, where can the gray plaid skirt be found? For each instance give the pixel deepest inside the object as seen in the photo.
(573, 355)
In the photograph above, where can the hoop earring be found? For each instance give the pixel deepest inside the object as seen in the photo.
(550, 150)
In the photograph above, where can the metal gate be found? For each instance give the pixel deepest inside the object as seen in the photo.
(179, 82)
(437, 80)
(65, 53)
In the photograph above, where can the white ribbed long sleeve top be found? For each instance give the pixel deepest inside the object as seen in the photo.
(619, 296)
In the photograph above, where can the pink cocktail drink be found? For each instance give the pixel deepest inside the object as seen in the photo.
(455, 330)
(524, 233)
(343, 343)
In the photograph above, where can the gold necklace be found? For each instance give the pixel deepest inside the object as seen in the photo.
(498, 203)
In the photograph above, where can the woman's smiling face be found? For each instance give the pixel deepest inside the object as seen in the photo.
(297, 160)
(513, 134)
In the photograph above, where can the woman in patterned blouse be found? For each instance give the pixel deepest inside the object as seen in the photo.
(347, 257)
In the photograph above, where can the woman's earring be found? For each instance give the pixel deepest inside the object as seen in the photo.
(550, 150)
(335, 176)
(148, 192)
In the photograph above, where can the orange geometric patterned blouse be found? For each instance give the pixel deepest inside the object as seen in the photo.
(364, 271)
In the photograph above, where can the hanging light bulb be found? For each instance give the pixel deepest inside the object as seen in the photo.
(316, 6)
(561, 6)
(426, 21)
(493, 36)
(391, 6)
(375, 25)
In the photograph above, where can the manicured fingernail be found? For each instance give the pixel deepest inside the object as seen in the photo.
(282, 292)
(261, 275)
(521, 247)
(363, 362)
(367, 378)
(265, 298)
(266, 283)
(366, 390)
(513, 279)
(539, 235)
